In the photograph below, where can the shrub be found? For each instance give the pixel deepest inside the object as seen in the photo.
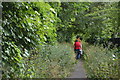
(101, 62)
(52, 62)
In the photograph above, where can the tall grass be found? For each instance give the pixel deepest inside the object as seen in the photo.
(51, 62)
(101, 62)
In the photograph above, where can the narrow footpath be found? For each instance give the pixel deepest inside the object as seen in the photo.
(79, 71)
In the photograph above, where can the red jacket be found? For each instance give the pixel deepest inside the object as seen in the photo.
(77, 45)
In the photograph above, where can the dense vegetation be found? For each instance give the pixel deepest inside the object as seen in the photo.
(31, 32)
(101, 63)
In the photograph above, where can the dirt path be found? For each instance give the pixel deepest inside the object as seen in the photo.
(79, 71)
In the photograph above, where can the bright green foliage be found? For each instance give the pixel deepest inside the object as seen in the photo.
(25, 25)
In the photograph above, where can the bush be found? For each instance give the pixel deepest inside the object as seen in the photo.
(24, 25)
(101, 62)
(51, 62)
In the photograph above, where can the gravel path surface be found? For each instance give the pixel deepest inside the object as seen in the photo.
(79, 71)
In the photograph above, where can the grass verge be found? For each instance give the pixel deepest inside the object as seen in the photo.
(51, 62)
(100, 62)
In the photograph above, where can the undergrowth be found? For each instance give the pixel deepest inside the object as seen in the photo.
(101, 62)
(51, 62)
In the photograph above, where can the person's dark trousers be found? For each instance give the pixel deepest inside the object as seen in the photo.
(78, 53)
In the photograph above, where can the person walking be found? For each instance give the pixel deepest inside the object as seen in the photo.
(78, 47)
